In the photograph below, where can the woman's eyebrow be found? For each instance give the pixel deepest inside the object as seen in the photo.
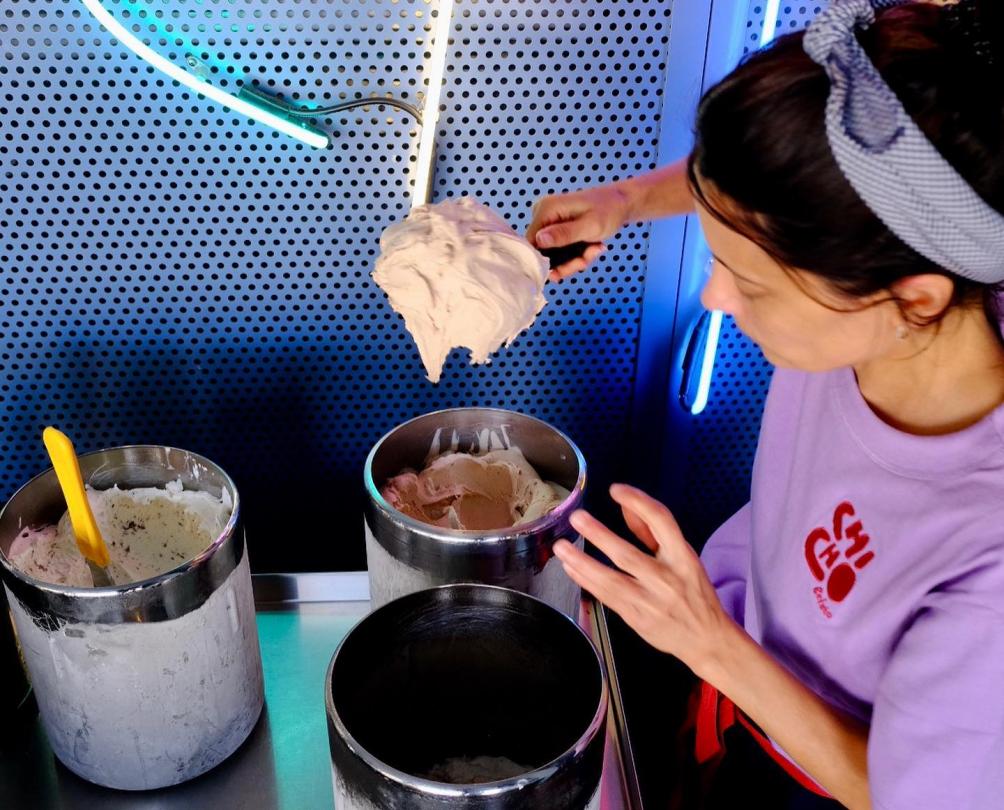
(747, 279)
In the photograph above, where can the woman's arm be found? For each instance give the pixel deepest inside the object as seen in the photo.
(664, 192)
(593, 215)
(668, 599)
(829, 745)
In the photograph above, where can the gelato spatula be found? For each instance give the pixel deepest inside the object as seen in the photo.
(85, 528)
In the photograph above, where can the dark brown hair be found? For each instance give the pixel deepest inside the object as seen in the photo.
(762, 162)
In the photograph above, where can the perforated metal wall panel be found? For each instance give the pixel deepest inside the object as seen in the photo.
(175, 273)
(791, 17)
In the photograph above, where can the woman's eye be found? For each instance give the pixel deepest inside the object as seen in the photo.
(749, 292)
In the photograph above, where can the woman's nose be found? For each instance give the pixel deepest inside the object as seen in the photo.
(720, 290)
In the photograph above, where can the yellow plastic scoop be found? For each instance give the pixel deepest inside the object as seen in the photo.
(85, 528)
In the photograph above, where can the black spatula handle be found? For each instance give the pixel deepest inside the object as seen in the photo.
(558, 256)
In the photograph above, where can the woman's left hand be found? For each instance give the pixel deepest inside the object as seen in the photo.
(665, 596)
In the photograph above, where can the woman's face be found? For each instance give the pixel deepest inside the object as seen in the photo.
(796, 318)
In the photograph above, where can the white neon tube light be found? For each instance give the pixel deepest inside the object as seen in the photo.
(708, 362)
(301, 132)
(771, 14)
(430, 115)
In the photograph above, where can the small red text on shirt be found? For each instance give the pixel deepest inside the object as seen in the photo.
(835, 558)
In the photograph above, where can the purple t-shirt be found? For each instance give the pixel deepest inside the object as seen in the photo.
(870, 563)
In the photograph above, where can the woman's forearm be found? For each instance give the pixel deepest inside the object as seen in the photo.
(826, 743)
(663, 192)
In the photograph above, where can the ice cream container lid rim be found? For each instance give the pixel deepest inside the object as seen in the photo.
(446, 789)
(139, 585)
(461, 536)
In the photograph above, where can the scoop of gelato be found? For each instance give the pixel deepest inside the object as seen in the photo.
(460, 277)
(148, 531)
(499, 489)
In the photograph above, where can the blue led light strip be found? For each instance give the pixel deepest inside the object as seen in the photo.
(715, 327)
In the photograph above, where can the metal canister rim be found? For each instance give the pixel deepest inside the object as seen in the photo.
(484, 794)
(434, 548)
(178, 591)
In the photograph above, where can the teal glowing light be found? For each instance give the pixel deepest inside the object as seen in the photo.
(294, 129)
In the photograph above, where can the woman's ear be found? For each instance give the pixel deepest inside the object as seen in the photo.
(924, 297)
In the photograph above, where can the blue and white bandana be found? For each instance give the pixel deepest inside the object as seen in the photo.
(889, 161)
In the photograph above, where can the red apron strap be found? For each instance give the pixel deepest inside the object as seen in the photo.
(708, 740)
(716, 714)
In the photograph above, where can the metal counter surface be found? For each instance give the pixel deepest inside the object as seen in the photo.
(284, 764)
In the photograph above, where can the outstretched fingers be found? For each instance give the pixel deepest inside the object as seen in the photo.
(615, 589)
(662, 526)
(620, 552)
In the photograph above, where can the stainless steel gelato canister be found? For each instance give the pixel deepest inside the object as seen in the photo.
(405, 555)
(466, 696)
(150, 683)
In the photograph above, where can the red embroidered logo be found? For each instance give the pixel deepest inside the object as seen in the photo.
(833, 558)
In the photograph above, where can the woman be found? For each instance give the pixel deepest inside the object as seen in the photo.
(849, 184)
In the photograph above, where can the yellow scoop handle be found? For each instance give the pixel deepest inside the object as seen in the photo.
(64, 461)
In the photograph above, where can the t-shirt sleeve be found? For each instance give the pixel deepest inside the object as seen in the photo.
(936, 733)
(726, 558)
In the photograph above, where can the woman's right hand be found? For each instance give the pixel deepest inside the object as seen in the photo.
(591, 215)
